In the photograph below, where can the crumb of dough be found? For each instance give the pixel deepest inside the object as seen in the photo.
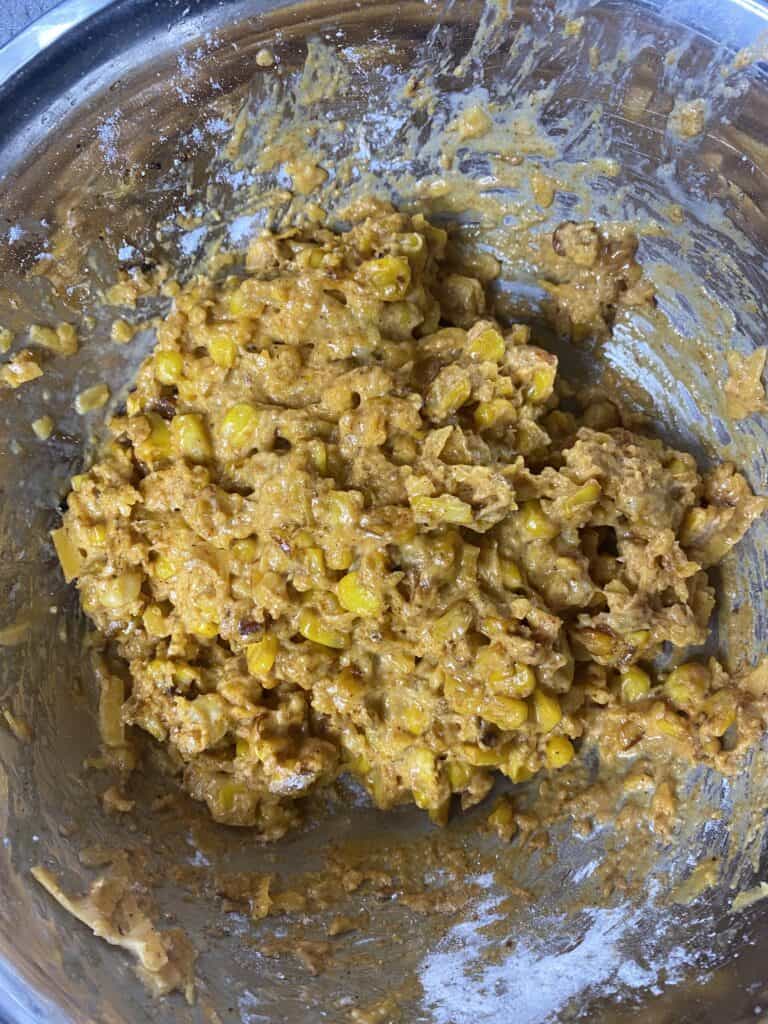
(20, 370)
(543, 188)
(121, 332)
(91, 398)
(744, 389)
(6, 339)
(61, 340)
(472, 123)
(112, 911)
(344, 527)
(42, 427)
(687, 118)
(265, 58)
(20, 728)
(113, 801)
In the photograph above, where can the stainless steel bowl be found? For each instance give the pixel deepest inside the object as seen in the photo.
(109, 119)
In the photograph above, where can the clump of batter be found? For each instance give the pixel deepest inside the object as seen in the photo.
(344, 525)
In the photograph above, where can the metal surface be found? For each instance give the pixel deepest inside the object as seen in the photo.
(109, 128)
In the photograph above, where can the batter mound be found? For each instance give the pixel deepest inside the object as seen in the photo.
(345, 525)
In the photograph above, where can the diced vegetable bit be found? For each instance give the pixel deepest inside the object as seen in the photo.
(189, 436)
(62, 340)
(239, 425)
(43, 427)
(389, 277)
(69, 557)
(261, 655)
(121, 332)
(446, 509)
(355, 597)
(22, 369)
(312, 627)
(547, 710)
(535, 523)
(169, 367)
(635, 684)
(559, 751)
(91, 399)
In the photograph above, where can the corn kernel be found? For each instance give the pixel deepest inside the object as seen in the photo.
(91, 399)
(697, 524)
(154, 622)
(445, 509)
(542, 382)
(314, 563)
(446, 398)
(416, 719)
(667, 722)
(487, 414)
(121, 332)
(508, 713)
(189, 436)
(488, 346)
(261, 655)
(96, 535)
(242, 748)
(344, 508)
(339, 559)
(185, 675)
(42, 428)
(453, 623)
(502, 819)
(311, 627)
(223, 351)
(318, 453)
(516, 767)
(639, 638)
(158, 443)
(635, 684)
(522, 682)
(163, 568)
(168, 367)
(686, 686)
(239, 425)
(389, 277)
(547, 710)
(69, 557)
(535, 524)
(422, 776)
(720, 709)
(246, 550)
(121, 590)
(6, 339)
(357, 598)
(579, 499)
(511, 576)
(459, 775)
(62, 340)
(559, 752)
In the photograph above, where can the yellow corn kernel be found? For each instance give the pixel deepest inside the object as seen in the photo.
(686, 686)
(6, 339)
(223, 351)
(91, 399)
(482, 758)
(62, 340)
(586, 495)
(163, 568)
(227, 796)
(559, 423)
(639, 638)
(667, 722)
(416, 719)
(489, 413)
(158, 443)
(357, 598)
(312, 627)
(508, 713)
(535, 524)
(601, 645)
(635, 684)
(189, 436)
(111, 697)
(503, 819)
(42, 428)
(488, 346)
(168, 367)
(559, 752)
(511, 576)
(318, 453)
(121, 332)
(343, 508)
(121, 590)
(154, 622)
(547, 710)
(242, 748)
(185, 675)
(516, 767)
(542, 382)
(522, 682)
(720, 709)
(69, 557)
(422, 777)
(453, 623)
(445, 509)
(22, 369)
(459, 775)
(96, 535)
(444, 401)
(261, 655)
(239, 425)
(246, 550)
(697, 523)
(78, 480)
(207, 629)
(314, 561)
(339, 559)
(389, 277)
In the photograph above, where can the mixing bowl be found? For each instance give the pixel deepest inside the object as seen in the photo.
(113, 120)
